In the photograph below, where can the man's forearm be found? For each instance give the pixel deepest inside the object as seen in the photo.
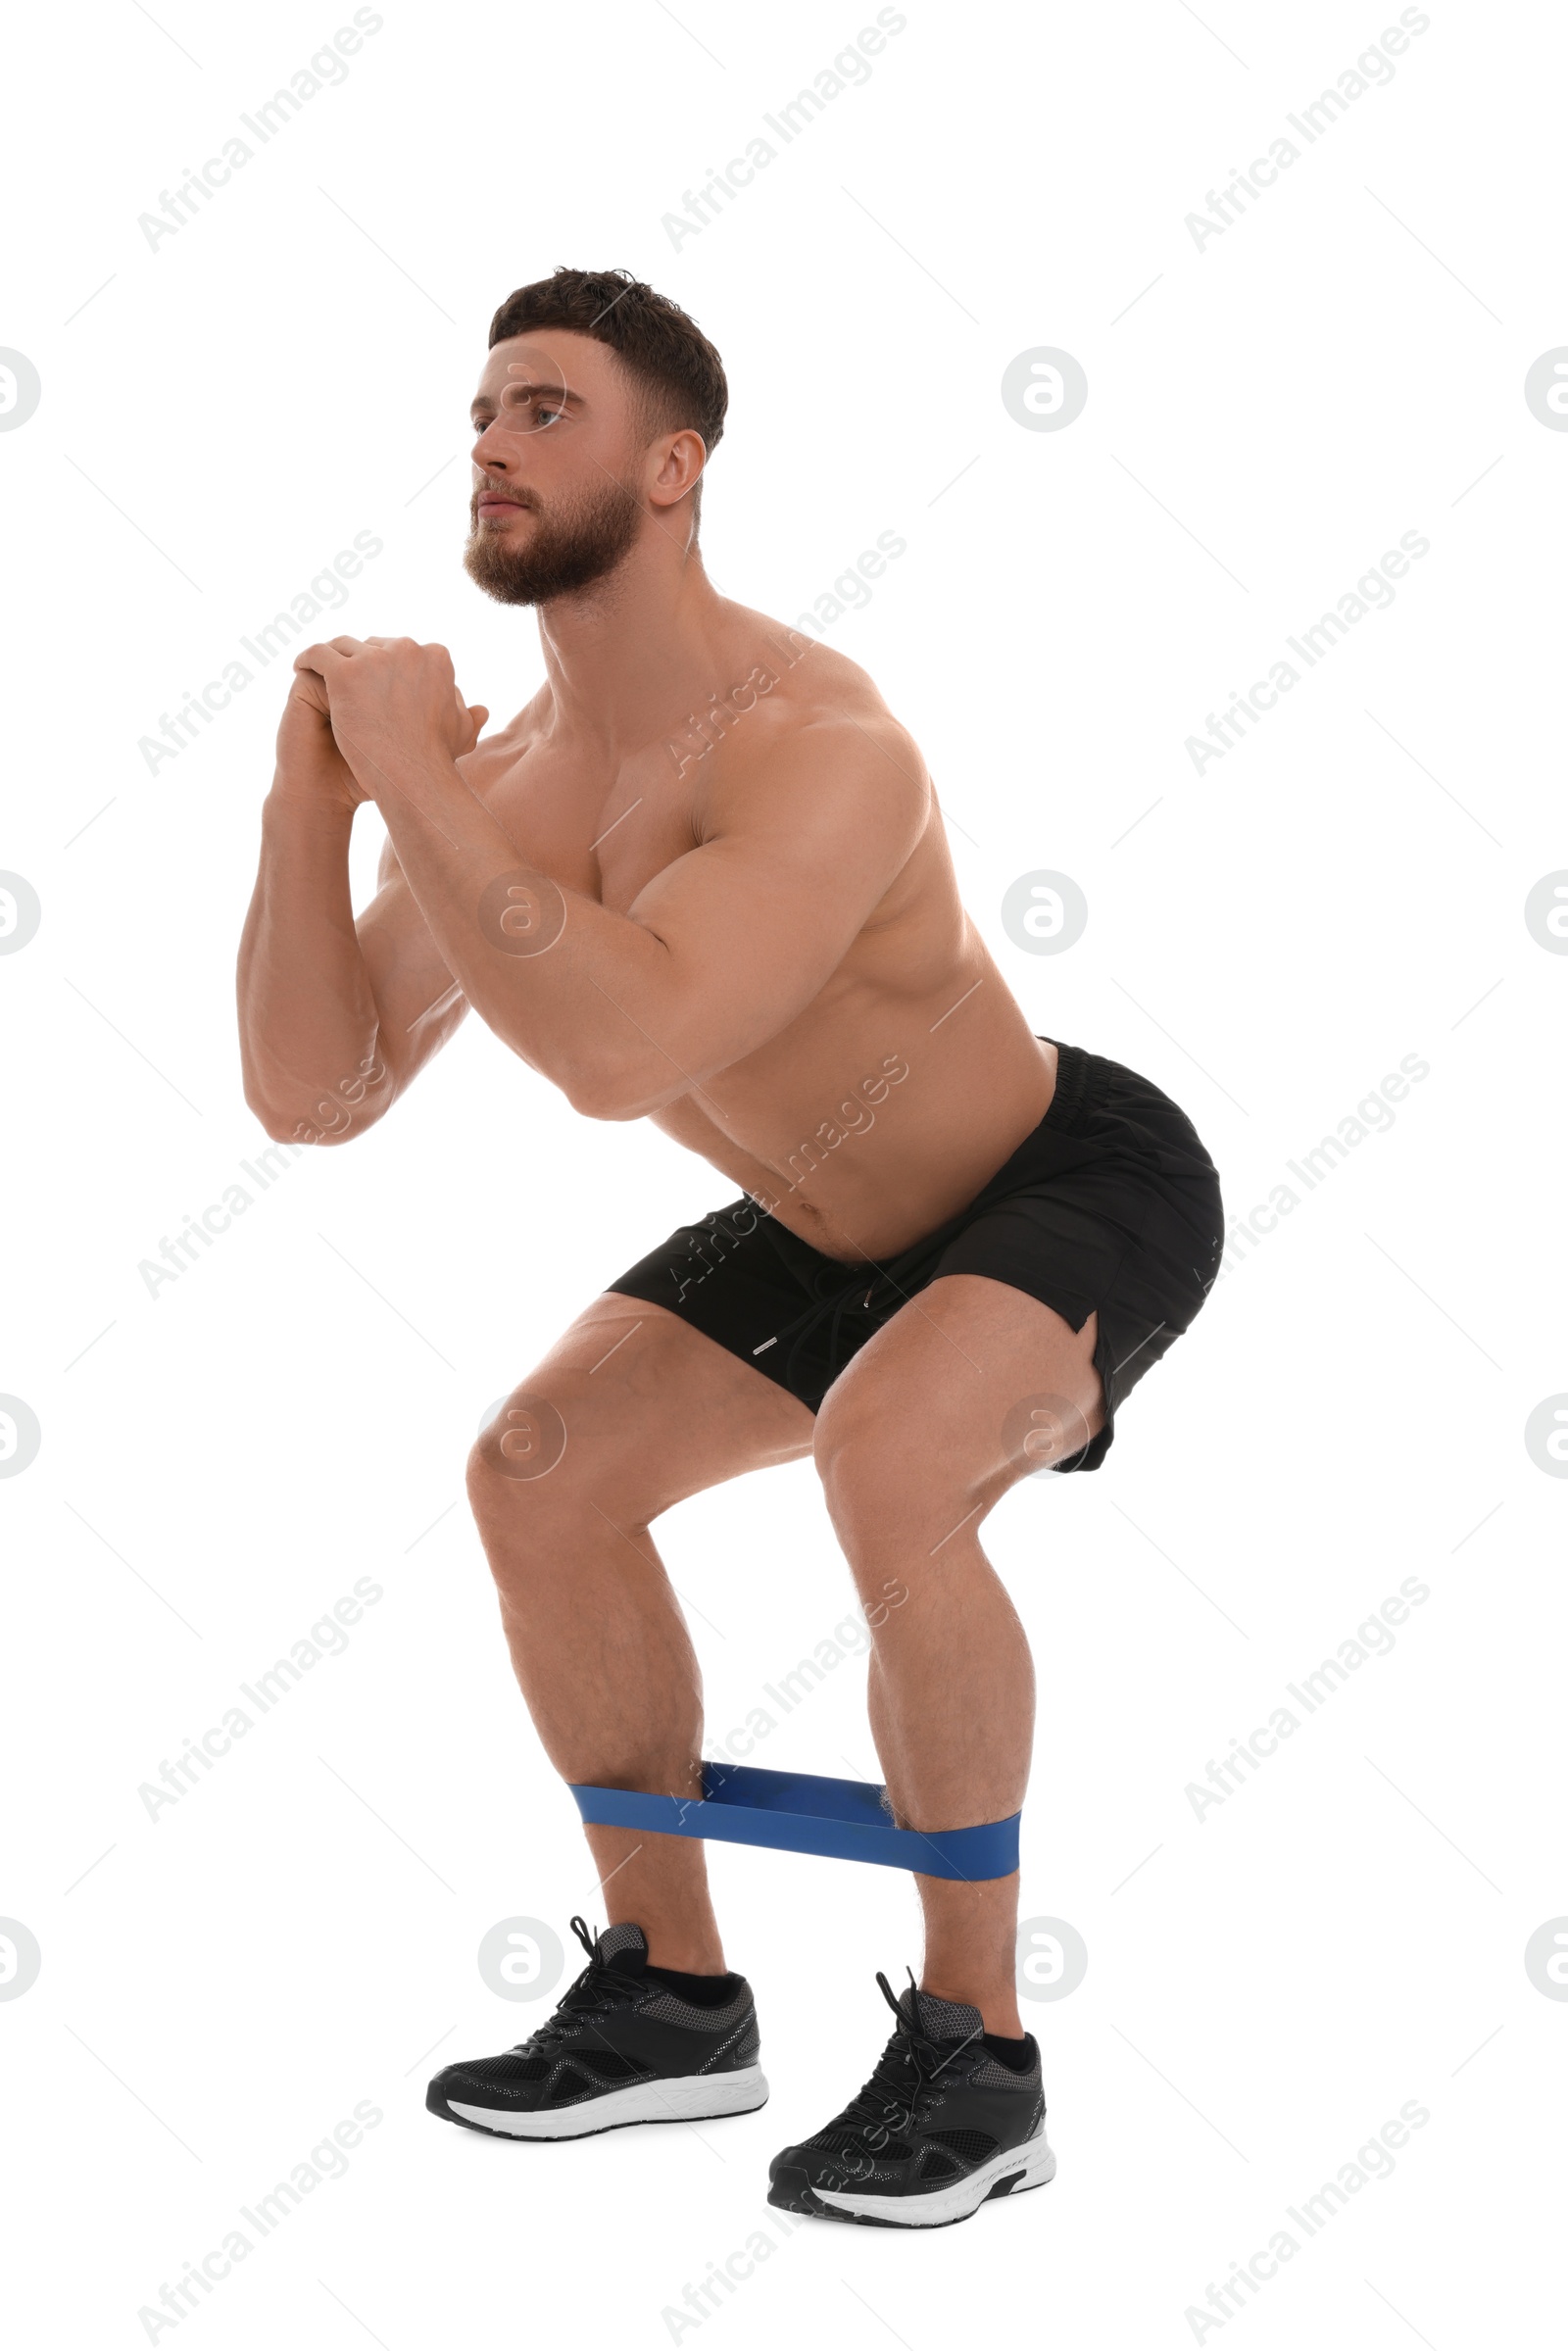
(573, 990)
(307, 1014)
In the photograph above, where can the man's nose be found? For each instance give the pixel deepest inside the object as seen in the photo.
(492, 452)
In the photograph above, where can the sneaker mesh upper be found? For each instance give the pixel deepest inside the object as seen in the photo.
(670, 2009)
(970, 2146)
(947, 2020)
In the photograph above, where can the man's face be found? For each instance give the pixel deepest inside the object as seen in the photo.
(556, 501)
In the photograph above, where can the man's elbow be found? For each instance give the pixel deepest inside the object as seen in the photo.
(595, 1097)
(322, 1123)
(286, 1126)
(616, 1092)
(275, 1124)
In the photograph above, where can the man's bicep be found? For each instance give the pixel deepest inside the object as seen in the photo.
(756, 920)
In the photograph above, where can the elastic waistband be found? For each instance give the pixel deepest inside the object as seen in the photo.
(1073, 1066)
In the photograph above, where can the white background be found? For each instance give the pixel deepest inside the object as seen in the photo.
(1266, 415)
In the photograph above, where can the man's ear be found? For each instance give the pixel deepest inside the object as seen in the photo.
(682, 468)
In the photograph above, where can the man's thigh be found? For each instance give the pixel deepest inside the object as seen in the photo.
(635, 1408)
(969, 1387)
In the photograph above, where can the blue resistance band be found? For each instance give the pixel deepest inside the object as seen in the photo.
(799, 1812)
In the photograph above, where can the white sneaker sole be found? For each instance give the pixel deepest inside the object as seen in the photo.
(686, 2098)
(1020, 2167)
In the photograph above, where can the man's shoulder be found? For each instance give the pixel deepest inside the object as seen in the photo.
(805, 739)
(807, 688)
(802, 671)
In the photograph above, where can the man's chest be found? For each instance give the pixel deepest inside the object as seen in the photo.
(602, 827)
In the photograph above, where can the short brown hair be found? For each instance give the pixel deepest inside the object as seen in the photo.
(678, 375)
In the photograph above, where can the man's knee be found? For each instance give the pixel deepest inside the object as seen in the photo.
(516, 1480)
(888, 1469)
(525, 1443)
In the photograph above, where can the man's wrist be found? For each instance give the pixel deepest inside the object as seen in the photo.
(423, 781)
(316, 804)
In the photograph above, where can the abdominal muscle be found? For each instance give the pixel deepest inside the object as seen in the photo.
(863, 1128)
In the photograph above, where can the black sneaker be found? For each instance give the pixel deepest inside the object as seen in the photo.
(942, 2125)
(622, 2047)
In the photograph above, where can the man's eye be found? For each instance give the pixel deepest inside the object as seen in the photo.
(520, 415)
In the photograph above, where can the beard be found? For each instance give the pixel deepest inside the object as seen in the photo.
(572, 544)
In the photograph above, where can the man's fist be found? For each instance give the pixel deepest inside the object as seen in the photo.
(391, 704)
(309, 764)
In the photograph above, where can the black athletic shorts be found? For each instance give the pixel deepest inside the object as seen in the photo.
(1112, 1204)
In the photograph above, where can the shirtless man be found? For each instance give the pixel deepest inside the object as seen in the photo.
(702, 878)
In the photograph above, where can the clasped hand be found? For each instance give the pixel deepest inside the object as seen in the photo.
(391, 702)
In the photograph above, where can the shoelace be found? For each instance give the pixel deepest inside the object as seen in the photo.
(599, 1989)
(891, 2101)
